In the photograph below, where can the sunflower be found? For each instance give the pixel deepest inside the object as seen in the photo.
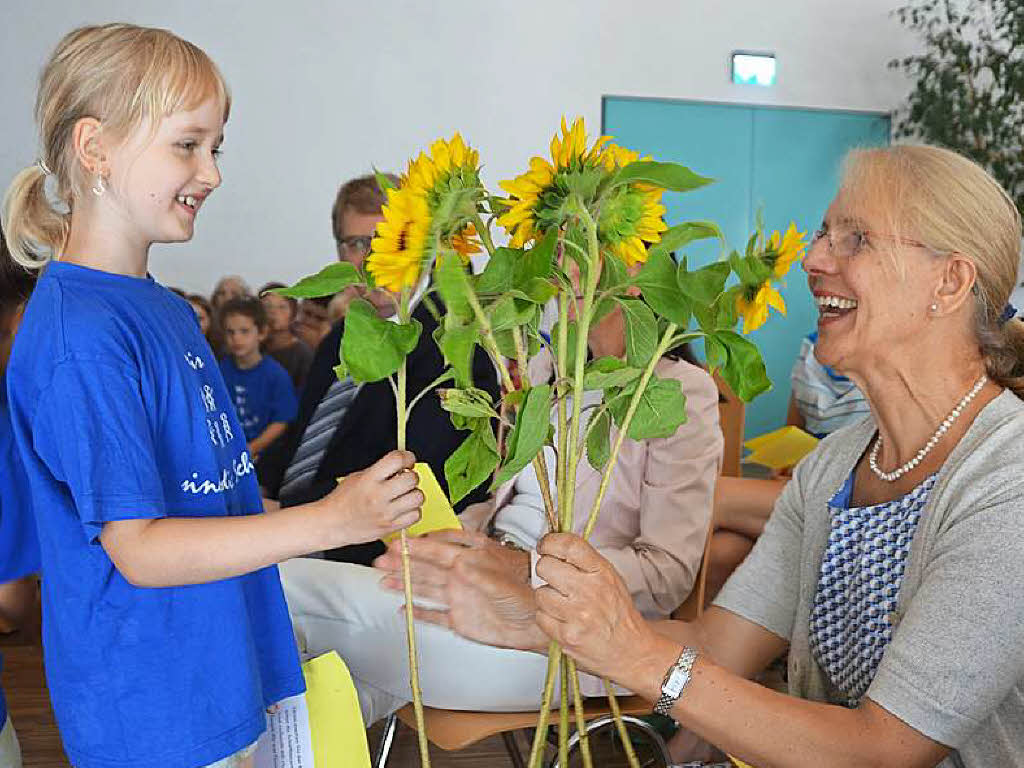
(778, 255)
(536, 197)
(632, 217)
(789, 248)
(752, 305)
(397, 250)
(449, 164)
(465, 242)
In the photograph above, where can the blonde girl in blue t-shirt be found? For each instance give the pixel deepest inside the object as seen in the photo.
(165, 629)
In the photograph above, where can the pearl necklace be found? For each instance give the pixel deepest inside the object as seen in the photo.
(899, 472)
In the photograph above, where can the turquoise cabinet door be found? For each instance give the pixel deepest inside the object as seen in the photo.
(783, 161)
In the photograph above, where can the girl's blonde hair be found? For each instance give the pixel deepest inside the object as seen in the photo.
(119, 74)
(952, 205)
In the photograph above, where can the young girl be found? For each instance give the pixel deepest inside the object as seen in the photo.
(166, 634)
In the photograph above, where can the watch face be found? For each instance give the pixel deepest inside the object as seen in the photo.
(676, 683)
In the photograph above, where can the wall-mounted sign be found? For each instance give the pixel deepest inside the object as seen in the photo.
(753, 68)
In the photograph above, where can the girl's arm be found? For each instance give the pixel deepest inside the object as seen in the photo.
(266, 437)
(174, 551)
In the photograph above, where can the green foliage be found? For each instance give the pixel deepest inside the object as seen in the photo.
(662, 408)
(641, 332)
(676, 237)
(968, 83)
(599, 448)
(327, 282)
(529, 434)
(607, 372)
(457, 343)
(472, 462)
(374, 348)
(471, 403)
(660, 287)
(706, 284)
(740, 363)
(671, 176)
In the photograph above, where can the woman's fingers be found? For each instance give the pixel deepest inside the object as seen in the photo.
(572, 549)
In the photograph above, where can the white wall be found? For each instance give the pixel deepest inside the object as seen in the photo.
(322, 90)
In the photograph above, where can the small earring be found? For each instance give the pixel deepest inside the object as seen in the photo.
(100, 186)
(934, 308)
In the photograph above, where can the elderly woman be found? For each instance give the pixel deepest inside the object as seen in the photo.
(893, 563)
(654, 521)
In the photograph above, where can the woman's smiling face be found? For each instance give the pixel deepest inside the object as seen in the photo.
(873, 287)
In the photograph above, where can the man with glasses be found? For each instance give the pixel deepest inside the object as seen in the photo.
(344, 427)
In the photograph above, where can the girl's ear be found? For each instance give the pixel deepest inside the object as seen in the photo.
(958, 278)
(87, 142)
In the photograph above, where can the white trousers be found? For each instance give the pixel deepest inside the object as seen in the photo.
(10, 752)
(342, 607)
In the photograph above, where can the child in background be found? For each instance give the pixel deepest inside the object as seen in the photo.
(282, 344)
(19, 550)
(260, 388)
(208, 323)
(165, 631)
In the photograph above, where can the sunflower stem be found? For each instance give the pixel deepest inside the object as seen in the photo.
(485, 234)
(540, 735)
(540, 465)
(581, 722)
(563, 715)
(402, 412)
(620, 726)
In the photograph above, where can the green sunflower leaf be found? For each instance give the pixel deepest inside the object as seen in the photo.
(327, 282)
(472, 462)
(373, 348)
(662, 408)
(641, 332)
(657, 281)
(529, 433)
(671, 176)
(457, 343)
(740, 363)
(599, 450)
(608, 372)
(676, 237)
(470, 402)
(453, 286)
(706, 284)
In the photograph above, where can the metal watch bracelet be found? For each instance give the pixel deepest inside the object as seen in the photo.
(676, 680)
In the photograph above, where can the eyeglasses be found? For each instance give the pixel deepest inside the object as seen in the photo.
(846, 245)
(357, 243)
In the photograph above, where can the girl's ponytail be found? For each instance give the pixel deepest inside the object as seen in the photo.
(34, 230)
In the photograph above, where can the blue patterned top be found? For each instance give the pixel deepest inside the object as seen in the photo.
(861, 573)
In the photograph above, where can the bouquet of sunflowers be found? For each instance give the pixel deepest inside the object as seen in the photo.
(586, 234)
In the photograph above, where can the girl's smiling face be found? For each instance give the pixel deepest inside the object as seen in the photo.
(159, 178)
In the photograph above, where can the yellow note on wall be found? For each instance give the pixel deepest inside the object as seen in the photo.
(438, 514)
(335, 718)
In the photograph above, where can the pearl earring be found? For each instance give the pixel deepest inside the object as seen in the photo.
(934, 308)
(100, 186)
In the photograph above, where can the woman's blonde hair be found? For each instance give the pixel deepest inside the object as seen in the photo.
(952, 205)
(119, 74)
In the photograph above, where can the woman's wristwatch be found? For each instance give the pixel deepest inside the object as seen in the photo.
(676, 679)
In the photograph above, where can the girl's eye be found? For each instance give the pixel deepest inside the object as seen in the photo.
(188, 146)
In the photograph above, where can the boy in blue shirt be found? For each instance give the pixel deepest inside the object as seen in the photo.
(259, 386)
(19, 549)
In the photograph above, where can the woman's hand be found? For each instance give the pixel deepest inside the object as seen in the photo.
(485, 599)
(585, 606)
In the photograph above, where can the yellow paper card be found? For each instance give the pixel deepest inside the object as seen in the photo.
(437, 514)
(780, 449)
(335, 719)
(739, 763)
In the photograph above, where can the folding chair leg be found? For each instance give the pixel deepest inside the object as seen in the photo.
(509, 737)
(386, 741)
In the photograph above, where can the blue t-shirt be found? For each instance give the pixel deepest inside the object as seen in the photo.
(19, 549)
(262, 395)
(120, 412)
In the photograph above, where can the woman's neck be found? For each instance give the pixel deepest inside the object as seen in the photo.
(912, 395)
(98, 244)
